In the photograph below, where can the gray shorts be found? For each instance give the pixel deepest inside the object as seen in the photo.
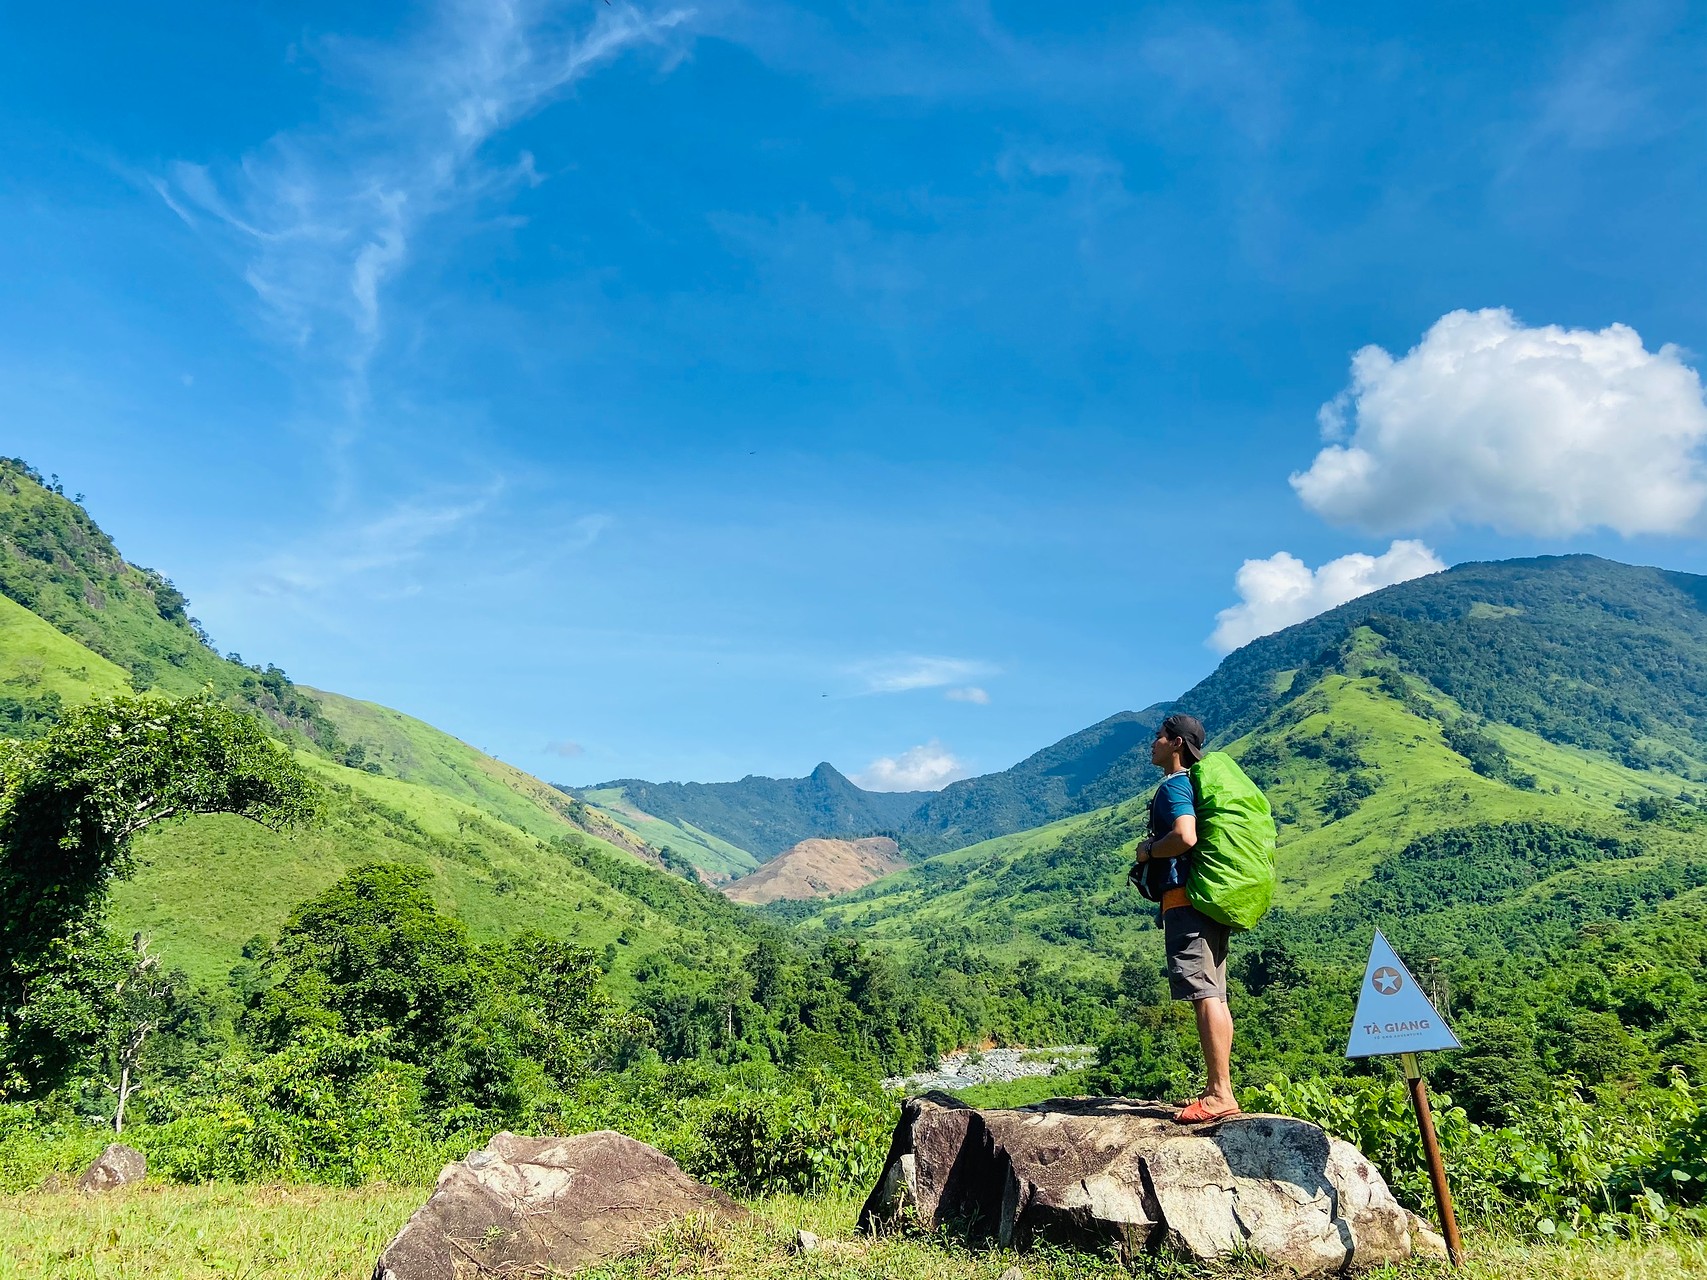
(1197, 954)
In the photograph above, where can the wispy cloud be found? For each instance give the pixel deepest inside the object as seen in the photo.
(566, 749)
(905, 674)
(321, 219)
(971, 693)
(388, 545)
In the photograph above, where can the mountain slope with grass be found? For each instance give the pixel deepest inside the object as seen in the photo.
(1363, 753)
(204, 887)
(1579, 650)
(507, 851)
(59, 564)
(1574, 651)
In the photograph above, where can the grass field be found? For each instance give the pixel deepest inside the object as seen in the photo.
(206, 886)
(36, 659)
(315, 1233)
(719, 859)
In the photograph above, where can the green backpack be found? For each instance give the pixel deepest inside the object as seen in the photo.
(1232, 868)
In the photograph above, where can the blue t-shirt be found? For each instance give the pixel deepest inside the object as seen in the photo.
(1173, 800)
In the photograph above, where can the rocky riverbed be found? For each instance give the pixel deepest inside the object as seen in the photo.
(988, 1066)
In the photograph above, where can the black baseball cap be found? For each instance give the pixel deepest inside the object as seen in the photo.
(1189, 730)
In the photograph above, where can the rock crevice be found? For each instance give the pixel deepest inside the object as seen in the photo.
(1112, 1171)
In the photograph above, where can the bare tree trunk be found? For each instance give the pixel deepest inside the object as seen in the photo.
(124, 1097)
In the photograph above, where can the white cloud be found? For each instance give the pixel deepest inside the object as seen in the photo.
(1281, 590)
(902, 675)
(923, 768)
(971, 693)
(1546, 431)
(321, 218)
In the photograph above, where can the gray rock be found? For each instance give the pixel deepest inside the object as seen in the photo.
(114, 1167)
(805, 1241)
(1426, 1242)
(965, 1068)
(1012, 1273)
(540, 1206)
(1091, 1172)
(896, 1192)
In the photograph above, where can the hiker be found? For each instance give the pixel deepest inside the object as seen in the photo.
(1196, 943)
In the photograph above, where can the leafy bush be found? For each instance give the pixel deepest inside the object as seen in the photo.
(1566, 1169)
(326, 1108)
(805, 1135)
(44, 1140)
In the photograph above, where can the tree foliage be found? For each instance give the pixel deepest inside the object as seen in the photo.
(70, 803)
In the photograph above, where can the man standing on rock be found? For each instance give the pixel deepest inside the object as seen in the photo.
(1196, 944)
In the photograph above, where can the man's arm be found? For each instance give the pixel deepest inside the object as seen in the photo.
(1182, 839)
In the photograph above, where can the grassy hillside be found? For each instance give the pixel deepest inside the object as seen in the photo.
(507, 852)
(57, 563)
(1575, 649)
(716, 858)
(387, 742)
(1604, 658)
(43, 671)
(204, 888)
(1359, 761)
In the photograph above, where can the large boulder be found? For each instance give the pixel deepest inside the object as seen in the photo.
(1109, 1171)
(544, 1206)
(114, 1167)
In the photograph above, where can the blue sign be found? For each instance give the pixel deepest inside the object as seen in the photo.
(1393, 1014)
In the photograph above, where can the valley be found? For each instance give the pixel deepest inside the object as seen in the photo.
(1502, 766)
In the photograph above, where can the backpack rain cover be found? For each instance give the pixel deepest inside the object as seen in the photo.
(1232, 868)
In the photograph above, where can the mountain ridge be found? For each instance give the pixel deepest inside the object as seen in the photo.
(1094, 766)
(1366, 728)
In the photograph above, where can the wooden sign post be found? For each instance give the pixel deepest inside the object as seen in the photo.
(1395, 1017)
(1431, 1150)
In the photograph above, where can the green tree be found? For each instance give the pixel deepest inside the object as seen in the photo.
(372, 953)
(71, 802)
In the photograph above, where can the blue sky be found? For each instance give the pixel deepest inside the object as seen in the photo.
(690, 390)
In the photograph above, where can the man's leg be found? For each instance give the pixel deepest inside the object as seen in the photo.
(1215, 1034)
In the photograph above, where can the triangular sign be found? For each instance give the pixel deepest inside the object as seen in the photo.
(1393, 1014)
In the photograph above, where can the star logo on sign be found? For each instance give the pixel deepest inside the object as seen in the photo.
(1387, 981)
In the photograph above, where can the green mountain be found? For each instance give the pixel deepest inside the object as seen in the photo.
(58, 564)
(756, 818)
(1094, 767)
(1578, 650)
(1448, 703)
(763, 816)
(507, 851)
